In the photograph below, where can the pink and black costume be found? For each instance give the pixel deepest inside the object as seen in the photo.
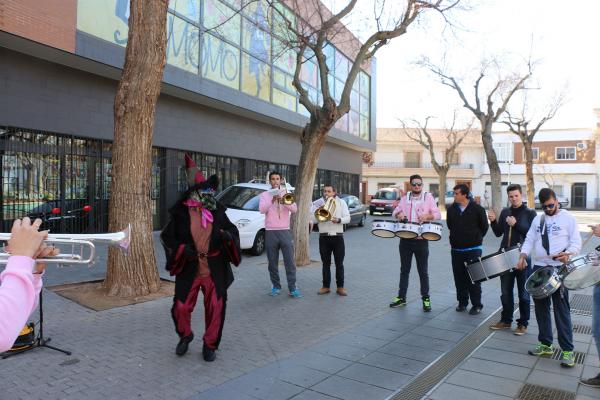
(200, 243)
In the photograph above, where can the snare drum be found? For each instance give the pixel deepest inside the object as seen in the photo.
(431, 231)
(383, 228)
(583, 272)
(493, 265)
(543, 282)
(408, 230)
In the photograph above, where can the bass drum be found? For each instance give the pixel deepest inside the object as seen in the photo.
(543, 282)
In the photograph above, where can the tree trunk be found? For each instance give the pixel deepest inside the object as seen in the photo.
(135, 274)
(442, 173)
(492, 161)
(312, 143)
(529, 173)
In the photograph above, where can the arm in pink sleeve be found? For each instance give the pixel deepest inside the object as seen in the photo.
(433, 207)
(292, 207)
(264, 203)
(399, 208)
(18, 297)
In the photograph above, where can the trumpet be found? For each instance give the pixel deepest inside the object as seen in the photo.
(287, 199)
(325, 212)
(83, 241)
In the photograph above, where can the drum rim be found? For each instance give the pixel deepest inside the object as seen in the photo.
(411, 232)
(433, 223)
(437, 235)
(384, 230)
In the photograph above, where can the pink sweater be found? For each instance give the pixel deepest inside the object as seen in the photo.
(277, 216)
(427, 206)
(19, 293)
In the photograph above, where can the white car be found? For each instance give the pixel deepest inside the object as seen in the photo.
(242, 201)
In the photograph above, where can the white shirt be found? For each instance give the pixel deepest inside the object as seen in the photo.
(562, 234)
(341, 212)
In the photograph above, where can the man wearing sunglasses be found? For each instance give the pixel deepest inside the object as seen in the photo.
(417, 206)
(468, 224)
(555, 237)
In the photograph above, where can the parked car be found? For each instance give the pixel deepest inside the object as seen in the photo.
(384, 201)
(448, 198)
(358, 211)
(563, 202)
(242, 201)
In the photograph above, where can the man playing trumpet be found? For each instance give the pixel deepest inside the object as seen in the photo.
(331, 237)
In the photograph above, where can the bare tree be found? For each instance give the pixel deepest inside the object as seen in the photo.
(500, 90)
(521, 125)
(422, 135)
(135, 105)
(308, 38)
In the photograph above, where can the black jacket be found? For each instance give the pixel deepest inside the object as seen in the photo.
(467, 228)
(181, 253)
(524, 218)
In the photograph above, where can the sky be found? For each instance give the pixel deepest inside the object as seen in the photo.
(560, 37)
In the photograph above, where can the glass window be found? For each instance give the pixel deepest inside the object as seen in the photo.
(364, 106)
(354, 101)
(240, 197)
(565, 153)
(283, 99)
(364, 83)
(454, 160)
(182, 44)
(504, 152)
(342, 123)
(386, 195)
(284, 57)
(188, 8)
(341, 65)
(339, 89)
(283, 81)
(329, 53)
(434, 189)
(258, 11)
(256, 41)
(558, 189)
(107, 20)
(256, 77)
(412, 159)
(281, 16)
(222, 20)
(535, 152)
(220, 62)
(308, 73)
(354, 123)
(364, 128)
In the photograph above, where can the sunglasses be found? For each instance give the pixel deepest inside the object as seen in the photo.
(416, 184)
(548, 206)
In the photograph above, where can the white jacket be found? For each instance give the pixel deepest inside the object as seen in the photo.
(341, 212)
(562, 234)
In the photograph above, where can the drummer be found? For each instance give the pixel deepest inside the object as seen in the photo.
(416, 207)
(555, 237)
(513, 224)
(595, 381)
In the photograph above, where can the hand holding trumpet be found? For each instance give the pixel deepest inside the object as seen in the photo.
(26, 240)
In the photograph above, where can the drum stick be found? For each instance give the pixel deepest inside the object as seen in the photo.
(509, 235)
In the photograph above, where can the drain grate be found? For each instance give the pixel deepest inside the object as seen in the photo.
(585, 329)
(439, 369)
(581, 304)
(579, 356)
(535, 392)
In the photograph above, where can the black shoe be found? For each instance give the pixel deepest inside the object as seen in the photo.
(475, 310)
(208, 354)
(426, 303)
(398, 302)
(461, 308)
(182, 346)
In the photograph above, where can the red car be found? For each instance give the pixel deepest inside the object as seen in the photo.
(384, 201)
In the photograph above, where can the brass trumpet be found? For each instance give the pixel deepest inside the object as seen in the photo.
(325, 212)
(287, 199)
(122, 239)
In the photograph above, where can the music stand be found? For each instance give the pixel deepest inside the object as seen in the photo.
(39, 341)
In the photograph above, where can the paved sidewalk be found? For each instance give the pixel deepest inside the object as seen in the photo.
(501, 367)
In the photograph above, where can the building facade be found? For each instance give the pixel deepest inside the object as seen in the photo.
(226, 99)
(564, 159)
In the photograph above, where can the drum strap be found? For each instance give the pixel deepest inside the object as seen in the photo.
(544, 233)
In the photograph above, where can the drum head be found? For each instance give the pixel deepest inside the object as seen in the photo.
(431, 236)
(406, 234)
(539, 278)
(383, 233)
(582, 277)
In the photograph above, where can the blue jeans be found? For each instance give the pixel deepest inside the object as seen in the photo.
(596, 317)
(562, 318)
(507, 283)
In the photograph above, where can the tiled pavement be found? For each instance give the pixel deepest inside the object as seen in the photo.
(317, 347)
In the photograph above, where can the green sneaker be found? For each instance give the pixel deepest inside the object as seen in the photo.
(541, 350)
(567, 359)
(426, 304)
(398, 302)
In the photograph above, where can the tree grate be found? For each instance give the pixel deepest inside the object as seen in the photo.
(584, 329)
(579, 356)
(536, 392)
(581, 303)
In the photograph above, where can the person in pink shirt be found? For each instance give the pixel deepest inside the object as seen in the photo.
(278, 235)
(21, 281)
(418, 207)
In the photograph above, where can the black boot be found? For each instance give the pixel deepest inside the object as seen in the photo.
(182, 346)
(208, 354)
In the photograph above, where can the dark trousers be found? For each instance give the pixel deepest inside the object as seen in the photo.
(420, 249)
(507, 283)
(464, 287)
(335, 245)
(562, 318)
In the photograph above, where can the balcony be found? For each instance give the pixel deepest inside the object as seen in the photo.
(426, 170)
